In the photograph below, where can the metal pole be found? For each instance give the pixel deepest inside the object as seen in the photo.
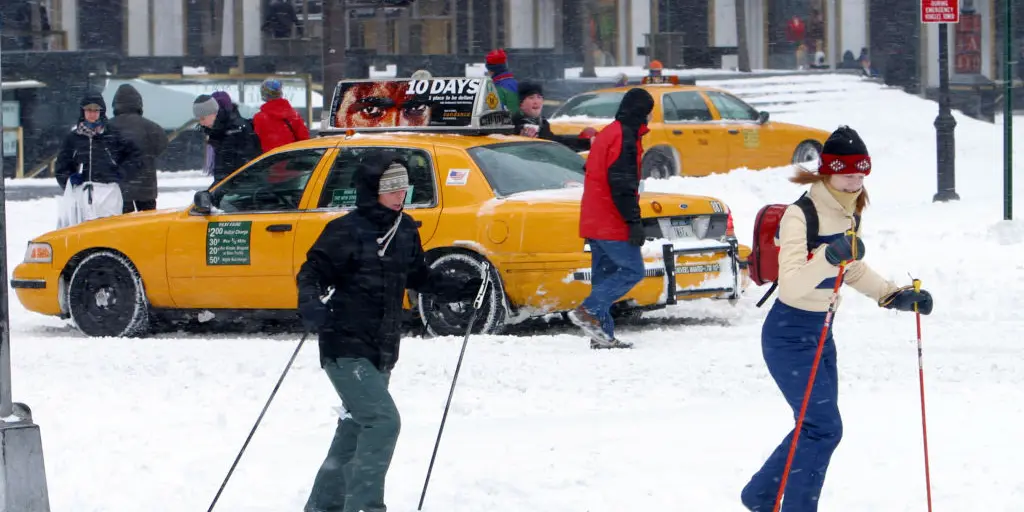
(152, 27)
(6, 405)
(335, 43)
(944, 126)
(240, 39)
(1008, 109)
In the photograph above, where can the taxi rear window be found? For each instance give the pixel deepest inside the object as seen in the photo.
(517, 167)
(600, 105)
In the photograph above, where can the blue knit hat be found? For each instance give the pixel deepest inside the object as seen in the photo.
(270, 89)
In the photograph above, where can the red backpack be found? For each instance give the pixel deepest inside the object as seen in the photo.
(764, 255)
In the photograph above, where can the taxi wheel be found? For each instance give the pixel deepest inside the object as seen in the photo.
(444, 319)
(106, 296)
(659, 164)
(807, 151)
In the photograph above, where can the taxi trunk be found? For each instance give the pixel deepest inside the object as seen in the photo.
(690, 253)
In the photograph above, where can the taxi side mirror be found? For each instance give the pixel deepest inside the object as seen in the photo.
(202, 202)
(762, 117)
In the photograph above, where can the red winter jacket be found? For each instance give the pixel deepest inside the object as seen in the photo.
(277, 124)
(611, 188)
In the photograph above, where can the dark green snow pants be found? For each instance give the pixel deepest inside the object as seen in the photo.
(351, 478)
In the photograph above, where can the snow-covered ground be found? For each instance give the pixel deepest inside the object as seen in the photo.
(543, 423)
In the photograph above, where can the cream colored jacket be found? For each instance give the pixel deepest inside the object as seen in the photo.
(799, 278)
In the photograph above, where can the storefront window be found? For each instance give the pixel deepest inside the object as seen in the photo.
(604, 28)
(798, 35)
(434, 26)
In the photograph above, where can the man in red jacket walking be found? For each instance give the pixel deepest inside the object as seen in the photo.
(277, 123)
(610, 217)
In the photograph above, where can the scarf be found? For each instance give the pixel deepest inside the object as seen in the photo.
(89, 129)
(848, 200)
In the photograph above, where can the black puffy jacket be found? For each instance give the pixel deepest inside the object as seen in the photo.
(103, 155)
(234, 142)
(369, 278)
(147, 135)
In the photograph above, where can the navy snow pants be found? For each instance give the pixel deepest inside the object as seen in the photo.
(789, 340)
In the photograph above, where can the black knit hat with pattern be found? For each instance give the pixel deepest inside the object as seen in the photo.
(844, 152)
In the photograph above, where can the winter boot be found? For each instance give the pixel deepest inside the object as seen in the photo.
(590, 324)
(614, 343)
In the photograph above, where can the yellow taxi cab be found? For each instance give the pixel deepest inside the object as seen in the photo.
(695, 130)
(477, 194)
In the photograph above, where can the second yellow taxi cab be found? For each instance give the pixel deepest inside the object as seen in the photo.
(696, 131)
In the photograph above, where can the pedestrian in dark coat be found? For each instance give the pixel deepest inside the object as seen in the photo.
(96, 157)
(368, 257)
(277, 123)
(610, 218)
(792, 328)
(139, 189)
(232, 137)
(529, 121)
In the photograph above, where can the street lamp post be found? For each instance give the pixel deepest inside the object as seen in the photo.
(945, 125)
(22, 475)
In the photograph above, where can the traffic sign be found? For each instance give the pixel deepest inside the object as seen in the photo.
(940, 11)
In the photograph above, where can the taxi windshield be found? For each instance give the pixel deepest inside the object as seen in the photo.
(517, 167)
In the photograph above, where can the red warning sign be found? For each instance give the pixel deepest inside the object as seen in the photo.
(940, 11)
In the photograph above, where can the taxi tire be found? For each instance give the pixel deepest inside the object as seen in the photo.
(656, 159)
(490, 319)
(803, 149)
(117, 272)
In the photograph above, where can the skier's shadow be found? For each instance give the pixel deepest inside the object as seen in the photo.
(558, 324)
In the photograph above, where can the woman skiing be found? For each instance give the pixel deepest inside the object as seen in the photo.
(791, 330)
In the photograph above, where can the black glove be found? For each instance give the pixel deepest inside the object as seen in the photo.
(637, 236)
(842, 249)
(314, 315)
(905, 298)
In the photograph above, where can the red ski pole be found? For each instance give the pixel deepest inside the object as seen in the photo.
(924, 422)
(810, 380)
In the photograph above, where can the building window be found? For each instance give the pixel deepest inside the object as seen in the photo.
(798, 35)
(604, 28)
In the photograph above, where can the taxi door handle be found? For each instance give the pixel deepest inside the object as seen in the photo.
(419, 223)
(677, 132)
(734, 132)
(277, 228)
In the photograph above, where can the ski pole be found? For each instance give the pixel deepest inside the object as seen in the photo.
(477, 303)
(258, 420)
(924, 422)
(832, 302)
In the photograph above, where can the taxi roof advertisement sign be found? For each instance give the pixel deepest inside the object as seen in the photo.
(940, 11)
(411, 105)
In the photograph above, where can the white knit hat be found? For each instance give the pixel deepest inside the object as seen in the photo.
(395, 178)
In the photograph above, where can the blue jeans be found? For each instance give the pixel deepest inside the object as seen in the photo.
(352, 476)
(789, 340)
(615, 268)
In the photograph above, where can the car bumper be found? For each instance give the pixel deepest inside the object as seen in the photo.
(37, 287)
(710, 269)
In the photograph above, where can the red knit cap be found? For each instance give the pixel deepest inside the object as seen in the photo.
(497, 57)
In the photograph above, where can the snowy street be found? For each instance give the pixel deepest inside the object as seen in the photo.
(543, 423)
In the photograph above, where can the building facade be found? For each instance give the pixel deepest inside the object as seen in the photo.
(782, 34)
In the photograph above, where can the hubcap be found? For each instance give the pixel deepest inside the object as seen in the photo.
(104, 297)
(807, 154)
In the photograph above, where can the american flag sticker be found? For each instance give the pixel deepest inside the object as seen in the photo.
(457, 177)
